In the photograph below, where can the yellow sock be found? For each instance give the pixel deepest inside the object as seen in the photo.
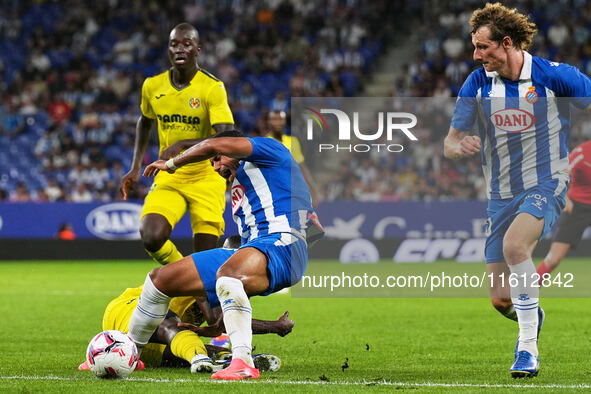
(186, 344)
(152, 354)
(168, 253)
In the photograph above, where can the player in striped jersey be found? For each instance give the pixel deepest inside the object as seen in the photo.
(276, 119)
(272, 206)
(523, 128)
(576, 216)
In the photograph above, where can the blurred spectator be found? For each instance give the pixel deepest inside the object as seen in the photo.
(12, 122)
(53, 191)
(65, 232)
(81, 194)
(558, 33)
(59, 110)
(21, 194)
(279, 102)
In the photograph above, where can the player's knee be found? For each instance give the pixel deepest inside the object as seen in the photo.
(514, 251)
(153, 237)
(228, 272)
(503, 305)
(158, 279)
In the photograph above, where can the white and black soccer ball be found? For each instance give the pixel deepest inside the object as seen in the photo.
(112, 354)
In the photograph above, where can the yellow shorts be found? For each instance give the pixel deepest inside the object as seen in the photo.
(171, 196)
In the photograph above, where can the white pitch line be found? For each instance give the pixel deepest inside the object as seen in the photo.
(305, 382)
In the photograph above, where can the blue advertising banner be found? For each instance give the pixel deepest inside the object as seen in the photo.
(410, 219)
(113, 221)
(341, 219)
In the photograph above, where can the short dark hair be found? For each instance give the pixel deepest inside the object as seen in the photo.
(187, 27)
(229, 133)
(232, 242)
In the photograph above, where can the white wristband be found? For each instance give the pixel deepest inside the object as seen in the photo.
(170, 164)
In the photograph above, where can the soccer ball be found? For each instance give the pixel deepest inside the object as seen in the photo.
(112, 354)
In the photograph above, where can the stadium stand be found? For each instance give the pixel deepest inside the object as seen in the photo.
(71, 74)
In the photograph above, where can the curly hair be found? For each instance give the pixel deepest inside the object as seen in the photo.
(503, 22)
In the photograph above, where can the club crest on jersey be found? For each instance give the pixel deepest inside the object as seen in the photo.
(237, 197)
(531, 96)
(512, 120)
(194, 102)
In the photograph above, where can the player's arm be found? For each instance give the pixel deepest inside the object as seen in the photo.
(181, 145)
(281, 327)
(210, 314)
(143, 129)
(311, 184)
(568, 206)
(296, 152)
(457, 145)
(236, 147)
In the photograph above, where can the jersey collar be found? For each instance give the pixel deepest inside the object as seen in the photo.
(525, 69)
(181, 87)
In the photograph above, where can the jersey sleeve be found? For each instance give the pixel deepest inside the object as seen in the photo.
(267, 152)
(574, 84)
(575, 158)
(145, 105)
(296, 150)
(466, 110)
(219, 110)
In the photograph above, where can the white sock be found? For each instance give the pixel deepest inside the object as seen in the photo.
(525, 299)
(237, 316)
(150, 311)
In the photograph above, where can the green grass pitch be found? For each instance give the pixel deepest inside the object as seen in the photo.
(50, 310)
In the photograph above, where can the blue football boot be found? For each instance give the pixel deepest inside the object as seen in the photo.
(526, 365)
(541, 316)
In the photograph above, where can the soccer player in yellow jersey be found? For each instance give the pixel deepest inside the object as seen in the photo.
(276, 120)
(171, 344)
(188, 104)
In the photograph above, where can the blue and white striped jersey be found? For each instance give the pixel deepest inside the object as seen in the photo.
(269, 193)
(524, 125)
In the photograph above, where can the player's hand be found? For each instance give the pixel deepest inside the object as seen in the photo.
(128, 182)
(285, 325)
(155, 167)
(469, 146)
(214, 330)
(173, 150)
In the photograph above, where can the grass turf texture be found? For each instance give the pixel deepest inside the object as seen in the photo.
(50, 310)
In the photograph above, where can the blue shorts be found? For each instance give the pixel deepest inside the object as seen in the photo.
(544, 201)
(208, 263)
(287, 258)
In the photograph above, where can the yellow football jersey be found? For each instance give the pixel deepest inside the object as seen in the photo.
(186, 113)
(118, 311)
(293, 144)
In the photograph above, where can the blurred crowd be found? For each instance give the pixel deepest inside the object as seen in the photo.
(71, 74)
